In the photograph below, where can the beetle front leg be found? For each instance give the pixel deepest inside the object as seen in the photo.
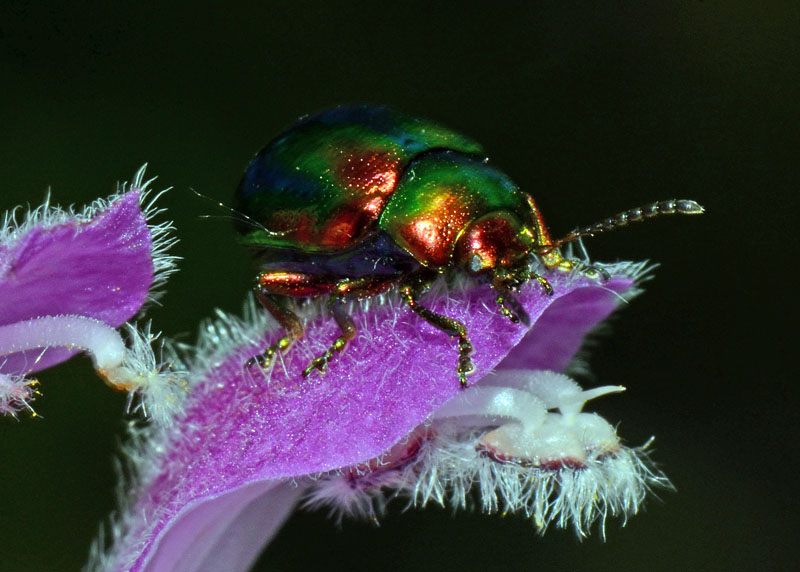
(509, 306)
(552, 259)
(506, 281)
(411, 290)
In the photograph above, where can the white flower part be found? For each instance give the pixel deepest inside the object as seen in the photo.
(157, 388)
(544, 458)
(132, 368)
(16, 394)
(567, 436)
(70, 331)
(524, 409)
(522, 443)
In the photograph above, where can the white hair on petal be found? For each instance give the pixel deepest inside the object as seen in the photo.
(161, 234)
(16, 394)
(15, 224)
(457, 463)
(160, 385)
(611, 484)
(441, 461)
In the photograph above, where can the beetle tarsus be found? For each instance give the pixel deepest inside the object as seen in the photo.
(544, 283)
(263, 360)
(286, 318)
(587, 269)
(348, 329)
(591, 270)
(511, 308)
(506, 311)
(504, 283)
(465, 366)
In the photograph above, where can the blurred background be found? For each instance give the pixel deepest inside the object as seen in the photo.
(592, 107)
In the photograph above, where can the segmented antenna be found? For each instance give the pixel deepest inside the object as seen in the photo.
(672, 206)
(239, 216)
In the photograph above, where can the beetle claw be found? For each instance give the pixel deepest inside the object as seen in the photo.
(348, 332)
(320, 364)
(465, 365)
(263, 360)
(544, 283)
(590, 270)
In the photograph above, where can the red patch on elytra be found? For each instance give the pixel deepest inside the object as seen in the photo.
(369, 173)
(431, 234)
(368, 180)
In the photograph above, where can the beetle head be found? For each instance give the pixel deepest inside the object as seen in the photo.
(496, 242)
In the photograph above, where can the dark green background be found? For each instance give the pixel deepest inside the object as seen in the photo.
(593, 107)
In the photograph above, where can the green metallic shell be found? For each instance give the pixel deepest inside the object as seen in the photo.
(323, 185)
(440, 194)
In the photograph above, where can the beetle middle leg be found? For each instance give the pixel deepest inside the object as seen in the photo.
(411, 290)
(345, 289)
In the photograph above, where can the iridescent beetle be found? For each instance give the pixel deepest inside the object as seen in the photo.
(358, 199)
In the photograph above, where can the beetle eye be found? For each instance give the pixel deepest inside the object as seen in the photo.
(476, 263)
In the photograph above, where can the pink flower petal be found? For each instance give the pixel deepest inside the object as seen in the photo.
(241, 428)
(227, 532)
(101, 268)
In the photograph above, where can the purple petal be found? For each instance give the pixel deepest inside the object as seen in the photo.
(241, 428)
(101, 268)
(564, 327)
(227, 532)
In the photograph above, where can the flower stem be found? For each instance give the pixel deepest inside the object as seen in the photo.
(102, 342)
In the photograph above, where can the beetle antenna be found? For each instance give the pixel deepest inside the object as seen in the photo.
(672, 206)
(238, 216)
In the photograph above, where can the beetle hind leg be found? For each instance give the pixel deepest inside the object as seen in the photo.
(348, 329)
(276, 306)
(411, 290)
